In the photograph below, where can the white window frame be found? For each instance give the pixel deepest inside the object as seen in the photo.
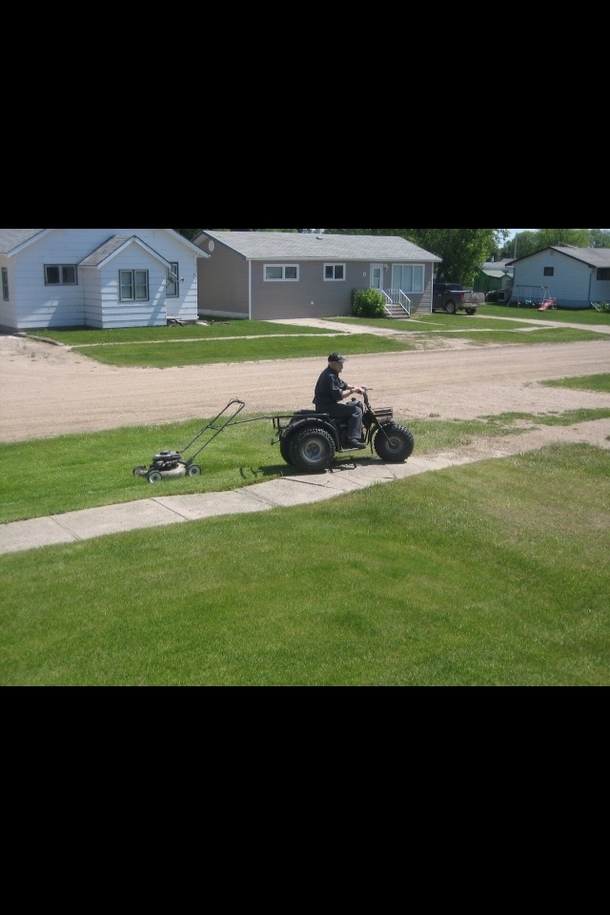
(416, 274)
(65, 272)
(131, 281)
(282, 278)
(334, 278)
(172, 287)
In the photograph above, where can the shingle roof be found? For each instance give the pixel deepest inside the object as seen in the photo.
(593, 257)
(306, 246)
(12, 238)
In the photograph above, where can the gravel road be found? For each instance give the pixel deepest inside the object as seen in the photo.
(47, 390)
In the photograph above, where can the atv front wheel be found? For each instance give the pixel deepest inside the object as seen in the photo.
(394, 443)
(312, 450)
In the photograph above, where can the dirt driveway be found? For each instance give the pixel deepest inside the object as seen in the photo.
(47, 390)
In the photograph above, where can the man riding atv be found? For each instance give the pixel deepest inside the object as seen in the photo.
(328, 398)
(309, 439)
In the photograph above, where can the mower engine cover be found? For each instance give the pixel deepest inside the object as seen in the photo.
(164, 456)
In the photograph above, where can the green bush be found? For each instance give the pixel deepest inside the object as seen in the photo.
(367, 303)
(601, 306)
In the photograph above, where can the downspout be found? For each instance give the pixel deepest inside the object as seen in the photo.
(249, 290)
(591, 272)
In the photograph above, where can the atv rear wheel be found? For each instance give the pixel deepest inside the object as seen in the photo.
(312, 450)
(285, 445)
(394, 443)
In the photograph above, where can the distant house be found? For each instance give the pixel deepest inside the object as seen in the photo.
(575, 277)
(274, 275)
(495, 279)
(98, 278)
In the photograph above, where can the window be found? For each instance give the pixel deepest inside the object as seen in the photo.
(5, 284)
(173, 283)
(60, 275)
(603, 273)
(334, 271)
(279, 272)
(133, 285)
(549, 271)
(408, 277)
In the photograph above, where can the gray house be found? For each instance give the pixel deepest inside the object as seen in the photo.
(575, 277)
(98, 278)
(273, 275)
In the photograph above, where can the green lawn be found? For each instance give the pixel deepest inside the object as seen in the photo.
(492, 574)
(238, 340)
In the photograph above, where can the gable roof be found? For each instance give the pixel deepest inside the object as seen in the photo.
(12, 239)
(496, 268)
(306, 246)
(592, 257)
(112, 246)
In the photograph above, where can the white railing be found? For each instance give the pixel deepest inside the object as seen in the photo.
(398, 299)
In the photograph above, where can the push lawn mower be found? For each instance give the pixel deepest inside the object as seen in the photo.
(174, 463)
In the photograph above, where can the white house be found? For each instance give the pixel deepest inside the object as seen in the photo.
(99, 278)
(575, 277)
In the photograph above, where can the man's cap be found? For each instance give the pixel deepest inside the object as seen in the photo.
(336, 357)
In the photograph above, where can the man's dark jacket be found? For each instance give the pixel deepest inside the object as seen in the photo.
(328, 390)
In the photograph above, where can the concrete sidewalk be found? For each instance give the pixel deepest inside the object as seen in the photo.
(163, 508)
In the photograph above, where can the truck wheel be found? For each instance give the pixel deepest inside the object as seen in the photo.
(470, 311)
(450, 308)
(312, 450)
(394, 443)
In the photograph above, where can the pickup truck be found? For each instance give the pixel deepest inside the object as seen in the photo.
(453, 297)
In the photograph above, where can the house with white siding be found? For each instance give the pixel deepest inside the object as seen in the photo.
(268, 276)
(100, 278)
(575, 277)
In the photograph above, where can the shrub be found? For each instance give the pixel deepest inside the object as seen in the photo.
(601, 306)
(367, 303)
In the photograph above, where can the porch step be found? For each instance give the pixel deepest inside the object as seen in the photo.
(396, 311)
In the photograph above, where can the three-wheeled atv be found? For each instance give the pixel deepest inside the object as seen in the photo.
(309, 440)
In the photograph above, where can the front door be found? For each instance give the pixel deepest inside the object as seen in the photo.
(376, 276)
